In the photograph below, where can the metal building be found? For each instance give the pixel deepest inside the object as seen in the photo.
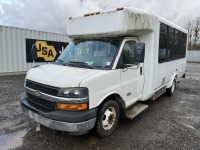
(193, 55)
(13, 47)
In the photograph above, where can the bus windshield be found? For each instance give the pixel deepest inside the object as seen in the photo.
(94, 54)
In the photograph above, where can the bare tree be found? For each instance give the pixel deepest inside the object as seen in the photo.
(196, 29)
(189, 27)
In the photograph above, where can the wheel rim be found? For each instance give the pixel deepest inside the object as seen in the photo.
(109, 118)
(173, 86)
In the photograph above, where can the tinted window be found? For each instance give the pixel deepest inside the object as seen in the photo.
(176, 44)
(182, 46)
(162, 48)
(163, 44)
(172, 44)
(163, 29)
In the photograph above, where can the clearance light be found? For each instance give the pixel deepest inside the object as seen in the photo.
(91, 14)
(86, 15)
(62, 106)
(121, 8)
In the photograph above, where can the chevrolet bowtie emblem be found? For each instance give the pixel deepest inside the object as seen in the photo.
(37, 93)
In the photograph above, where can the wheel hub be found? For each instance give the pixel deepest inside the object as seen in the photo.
(109, 118)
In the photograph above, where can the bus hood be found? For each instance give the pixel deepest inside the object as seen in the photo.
(59, 76)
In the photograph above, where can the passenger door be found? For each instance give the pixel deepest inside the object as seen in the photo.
(132, 78)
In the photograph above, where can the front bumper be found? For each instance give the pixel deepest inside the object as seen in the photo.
(73, 122)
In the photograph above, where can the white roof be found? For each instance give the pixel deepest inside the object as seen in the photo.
(111, 23)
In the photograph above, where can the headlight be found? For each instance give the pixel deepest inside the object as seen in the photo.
(74, 92)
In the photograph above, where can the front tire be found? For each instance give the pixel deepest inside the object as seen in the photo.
(171, 90)
(107, 119)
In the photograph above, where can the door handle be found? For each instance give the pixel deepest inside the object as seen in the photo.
(140, 70)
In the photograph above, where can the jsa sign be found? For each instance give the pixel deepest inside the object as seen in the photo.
(43, 51)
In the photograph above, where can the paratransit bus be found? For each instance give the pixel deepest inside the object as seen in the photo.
(117, 58)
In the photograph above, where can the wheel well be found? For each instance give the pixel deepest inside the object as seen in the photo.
(119, 100)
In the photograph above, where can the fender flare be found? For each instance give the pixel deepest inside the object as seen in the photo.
(106, 96)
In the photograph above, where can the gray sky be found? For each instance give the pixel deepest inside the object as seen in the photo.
(51, 15)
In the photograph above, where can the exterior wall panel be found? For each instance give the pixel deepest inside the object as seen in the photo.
(193, 55)
(13, 47)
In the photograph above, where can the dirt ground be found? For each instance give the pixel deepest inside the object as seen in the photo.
(168, 123)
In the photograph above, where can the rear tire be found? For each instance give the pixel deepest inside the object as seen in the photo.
(107, 118)
(171, 90)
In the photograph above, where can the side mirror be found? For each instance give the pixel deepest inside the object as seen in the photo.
(140, 51)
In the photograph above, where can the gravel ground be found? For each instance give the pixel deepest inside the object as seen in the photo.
(168, 123)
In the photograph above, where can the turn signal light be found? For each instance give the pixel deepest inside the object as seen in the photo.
(62, 106)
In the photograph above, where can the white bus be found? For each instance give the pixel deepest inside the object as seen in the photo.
(116, 59)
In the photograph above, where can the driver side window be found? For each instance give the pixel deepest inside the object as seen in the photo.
(129, 53)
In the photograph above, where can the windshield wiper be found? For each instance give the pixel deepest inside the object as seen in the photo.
(81, 64)
(62, 61)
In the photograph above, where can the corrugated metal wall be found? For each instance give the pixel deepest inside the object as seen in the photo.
(13, 47)
(193, 55)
